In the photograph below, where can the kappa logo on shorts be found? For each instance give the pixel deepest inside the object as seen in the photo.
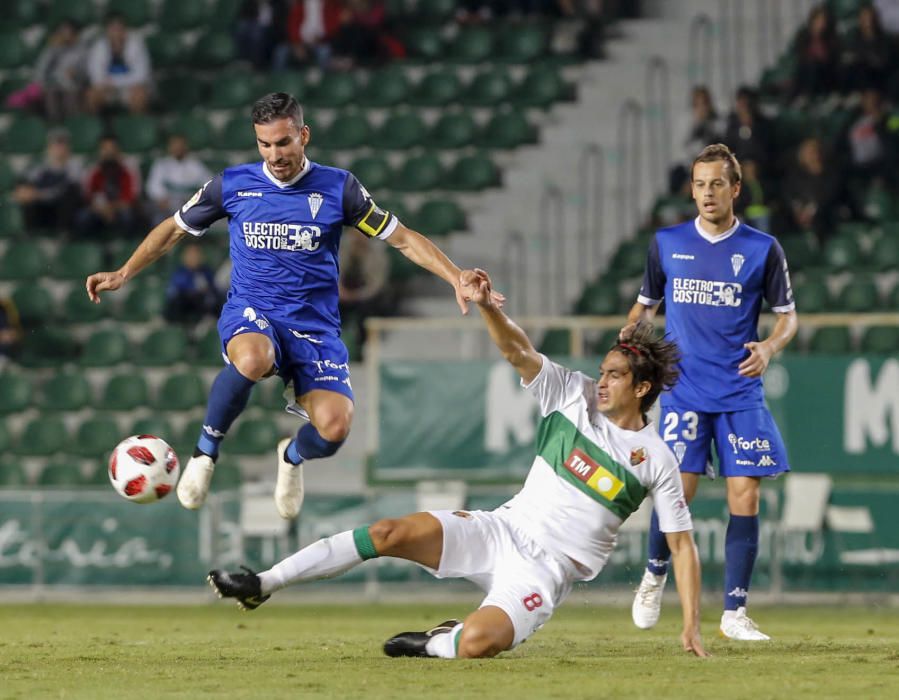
(597, 477)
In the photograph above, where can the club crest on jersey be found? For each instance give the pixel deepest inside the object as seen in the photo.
(638, 456)
(736, 261)
(315, 203)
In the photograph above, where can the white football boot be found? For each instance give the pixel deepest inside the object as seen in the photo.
(648, 602)
(736, 624)
(195, 480)
(289, 487)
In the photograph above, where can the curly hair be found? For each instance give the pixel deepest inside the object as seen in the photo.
(651, 359)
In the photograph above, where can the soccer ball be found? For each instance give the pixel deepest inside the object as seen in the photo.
(143, 468)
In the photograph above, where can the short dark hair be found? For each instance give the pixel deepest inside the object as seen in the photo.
(716, 152)
(277, 105)
(651, 359)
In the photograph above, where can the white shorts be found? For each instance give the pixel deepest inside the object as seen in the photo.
(517, 574)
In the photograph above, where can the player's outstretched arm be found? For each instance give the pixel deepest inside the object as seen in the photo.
(513, 342)
(157, 243)
(760, 353)
(687, 575)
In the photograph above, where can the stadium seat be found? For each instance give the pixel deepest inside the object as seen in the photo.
(163, 347)
(11, 223)
(374, 172)
(437, 89)
(453, 130)
(607, 340)
(812, 297)
(78, 308)
(893, 298)
(143, 303)
(224, 14)
(167, 50)
(507, 129)
(136, 133)
(208, 350)
(183, 15)
(396, 207)
(44, 435)
(237, 134)
(859, 296)
(488, 88)
(629, 260)
(522, 43)
(800, 250)
(438, 217)
(424, 44)
(136, 12)
(598, 299)
(334, 90)
(347, 131)
(227, 475)
(435, 12)
(387, 87)
(291, 82)
(48, 347)
(7, 177)
(125, 392)
(842, 253)
(66, 391)
(75, 261)
(474, 173)
(238, 91)
(96, 437)
(401, 131)
(881, 340)
(419, 173)
(14, 51)
(254, 436)
(34, 303)
(472, 45)
(84, 133)
(885, 253)
(181, 392)
(194, 127)
(105, 348)
(25, 136)
(18, 14)
(12, 473)
(833, 340)
(23, 261)
(541, 87)
(82, 13)
(15, 393)
(156, 425)
(60, 473)
(556, 342)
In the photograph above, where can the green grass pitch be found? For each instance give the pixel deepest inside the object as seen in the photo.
(329, 651)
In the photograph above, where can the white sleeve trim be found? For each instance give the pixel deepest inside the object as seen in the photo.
(190, 229)
(646, 301)
(543, 367)
(389, 228)
(784, 309)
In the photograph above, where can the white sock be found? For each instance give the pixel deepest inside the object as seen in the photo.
(444, 645)
(326, 558)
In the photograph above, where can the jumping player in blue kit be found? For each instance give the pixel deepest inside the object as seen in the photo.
(713, 273)
(285, 217)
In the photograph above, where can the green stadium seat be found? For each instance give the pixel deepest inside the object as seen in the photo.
(347, 131)
(800, 250)
(181, 392)
(885, 253)
(187, 439)
(812, 297)
(488, 88)
(7, 177)
(254, 436)
(18, 14)
(66, 391)
(84, 133)
(374, 172)
(136, 133)
(238, 91)
(156, 425)
(472, 45)
(833, 340)
(438, 217)
(136, 12)
(11, 223)
(605, 342)
(105, 348)
(143, 303)
(437, 89)
(82, 13)
(189, 91)
(48, 347)
(25, 136)
(396, 207)
(385, 88)
(419, 173)
(402, 269)
(523, 43)
(424, 44)
(183, 15)
(14, 52)
(15, 393)
(474, 173)
(23, 261)
(859, 296)
(224, 14)
(453, 130)
(881, 340)
(334, 90)
(125, 392)
(227, 476)
(61, 473)
(556, 342)
(167, 50)
(194, 127)
(75, 261)
(78, 308)
(5, 445)
(291, 82)
(44, 435)
(629, 260)
(208, 351)
(507, 129)
(402, 131)
(96, 437)
(541, 87)
(893, 298)
(237, 134)
(12, 473)
(435, 12)
(34, 303)
(598, 299)
(842, 253)
(163, 347)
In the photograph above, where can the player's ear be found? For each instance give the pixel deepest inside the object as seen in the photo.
(305, 135)
(642, 389)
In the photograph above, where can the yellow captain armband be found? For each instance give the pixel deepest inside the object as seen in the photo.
(374, 221)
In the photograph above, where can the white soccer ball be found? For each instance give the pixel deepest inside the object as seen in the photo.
(143, 468)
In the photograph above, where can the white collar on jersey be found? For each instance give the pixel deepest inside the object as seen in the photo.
(721, 236)
(307, 165)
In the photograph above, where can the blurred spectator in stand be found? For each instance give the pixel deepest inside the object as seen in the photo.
(817, 55)
(748, 132)
(705, 127)
(363, 285)
(174, 178)
(259, 29)
(868, 54)
(51, 192)
(888, 12)
(118, 68)
(192, 294)
(357, 40)
(594, 17)
(111, 191)
(811, 192)
(10, 331)
(61, 71)
(868, 136)
(311, 24)
(751, 203)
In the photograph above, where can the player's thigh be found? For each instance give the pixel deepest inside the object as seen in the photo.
(248, 339)
(749, 444)
(689, 435)
(473, 542)
(417, 537)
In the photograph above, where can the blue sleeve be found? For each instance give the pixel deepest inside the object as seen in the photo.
(778, 290)
(203, 209)
(361, 212)
(653, 289)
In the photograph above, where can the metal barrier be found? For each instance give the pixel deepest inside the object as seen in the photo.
(658, 122)
(700, 59)
(552, 225)
(592, 162)
(630, 160)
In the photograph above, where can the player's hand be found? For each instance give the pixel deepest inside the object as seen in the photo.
(103, 282)
(475, 285)
(757, 362)
(692, 643)
(625, 333)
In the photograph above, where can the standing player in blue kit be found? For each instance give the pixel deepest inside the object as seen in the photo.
(285, 217)
(713, 273)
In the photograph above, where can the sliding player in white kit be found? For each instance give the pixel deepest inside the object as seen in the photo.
(597, 458)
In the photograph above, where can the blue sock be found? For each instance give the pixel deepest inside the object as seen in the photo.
(227, 398)
(741, 545)
(308, 444)
(658, 550)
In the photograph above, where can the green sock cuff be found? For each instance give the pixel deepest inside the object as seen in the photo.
(364, 546)
(456, 638)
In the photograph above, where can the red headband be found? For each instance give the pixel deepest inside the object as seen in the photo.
(632, 348)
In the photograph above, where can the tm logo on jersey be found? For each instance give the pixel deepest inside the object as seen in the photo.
(706, 292)
(598, 478)
(287, 237)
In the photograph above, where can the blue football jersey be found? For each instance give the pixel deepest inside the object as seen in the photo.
(713, 288)
(284, 236)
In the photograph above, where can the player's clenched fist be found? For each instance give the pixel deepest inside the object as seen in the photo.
(103, 282)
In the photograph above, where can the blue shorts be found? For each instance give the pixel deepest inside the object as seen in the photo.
(748, 443)
(311, 360)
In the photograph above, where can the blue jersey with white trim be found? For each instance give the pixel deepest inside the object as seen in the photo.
(285, 236)
(713, 287)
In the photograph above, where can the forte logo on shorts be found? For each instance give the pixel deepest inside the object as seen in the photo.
(738, 442)
(287, 237)
(598, 478)
(686, 290)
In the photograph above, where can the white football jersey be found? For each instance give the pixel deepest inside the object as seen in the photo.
(589, 475)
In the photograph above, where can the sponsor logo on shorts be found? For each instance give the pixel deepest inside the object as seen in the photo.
(597, 477)
(738, 442)
(325, 365)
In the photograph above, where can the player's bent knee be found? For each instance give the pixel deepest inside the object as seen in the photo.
(254, 365)
(479, 641)
(388, 535)
(335, 427)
